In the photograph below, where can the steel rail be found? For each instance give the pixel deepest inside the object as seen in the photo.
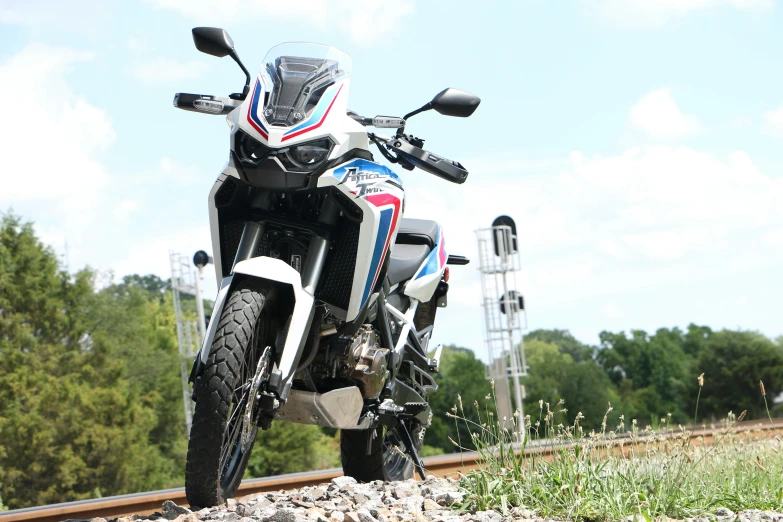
(441, 466)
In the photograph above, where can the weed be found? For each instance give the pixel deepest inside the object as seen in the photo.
(558, 470)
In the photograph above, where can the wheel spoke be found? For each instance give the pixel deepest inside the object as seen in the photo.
(232, 430)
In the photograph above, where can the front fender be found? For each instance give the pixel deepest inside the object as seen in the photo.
(276, 272)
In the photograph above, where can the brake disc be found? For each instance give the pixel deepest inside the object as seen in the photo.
(248, 422)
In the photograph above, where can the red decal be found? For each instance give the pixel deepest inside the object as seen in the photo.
(250, 121)
(380, 200)
(308, 129)
(442, 250)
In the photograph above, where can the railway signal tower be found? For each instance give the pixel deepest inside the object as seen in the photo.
(185, 279)
(504, 315)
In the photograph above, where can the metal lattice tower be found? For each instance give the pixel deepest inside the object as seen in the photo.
(185, 279)
(504, 317)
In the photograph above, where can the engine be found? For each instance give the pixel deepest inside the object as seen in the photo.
(365, 363)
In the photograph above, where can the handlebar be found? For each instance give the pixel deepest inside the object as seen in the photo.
(205, 103)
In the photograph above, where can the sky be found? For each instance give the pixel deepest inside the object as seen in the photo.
(637, 143)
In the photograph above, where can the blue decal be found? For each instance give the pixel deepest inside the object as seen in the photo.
(253, 112)
(362, 166)
(380, 242)
(323, 104)
(431, 265)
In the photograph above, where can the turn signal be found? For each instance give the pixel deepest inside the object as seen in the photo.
(446, 275)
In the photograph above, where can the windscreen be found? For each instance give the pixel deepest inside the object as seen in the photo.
(296, 75)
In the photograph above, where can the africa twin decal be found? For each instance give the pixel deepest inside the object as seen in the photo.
(364, 182)
(364, 177)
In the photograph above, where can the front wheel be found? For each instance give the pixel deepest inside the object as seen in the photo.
(224, 424)
(387, 460)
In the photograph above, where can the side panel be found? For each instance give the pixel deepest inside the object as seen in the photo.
(378, 192)
(214, 226)
(424, 282)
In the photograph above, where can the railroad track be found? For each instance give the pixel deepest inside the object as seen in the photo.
(441, 466)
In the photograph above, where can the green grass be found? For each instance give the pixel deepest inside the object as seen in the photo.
(616, 473)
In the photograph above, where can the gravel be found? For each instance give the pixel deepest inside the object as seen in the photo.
(345, 500)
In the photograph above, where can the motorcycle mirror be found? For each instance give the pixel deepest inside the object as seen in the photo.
(217, 42)
(454, 102)
(213, 40)
(449, 102)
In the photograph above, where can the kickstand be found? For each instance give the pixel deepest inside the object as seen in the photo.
(411, 448)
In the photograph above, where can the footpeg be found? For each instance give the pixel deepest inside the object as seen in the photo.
(414, 408)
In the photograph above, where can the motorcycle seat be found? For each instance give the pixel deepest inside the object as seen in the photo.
(405, 260)
(417, 232)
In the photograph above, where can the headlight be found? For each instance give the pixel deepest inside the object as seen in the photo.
(307, 156)
(250, 151)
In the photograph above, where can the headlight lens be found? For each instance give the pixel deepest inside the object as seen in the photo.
(251, 151)
(307, 156)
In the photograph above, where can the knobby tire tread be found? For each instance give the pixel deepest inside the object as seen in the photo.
(214, 396)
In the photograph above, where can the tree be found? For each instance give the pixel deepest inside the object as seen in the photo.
(461, 376)
(733, 363)
(137, 327)
(641, 361)
(553, 376)
(289, 448)
(71, 425)
(586, 389)
(564, 341)
(546, 374)
(151, 283)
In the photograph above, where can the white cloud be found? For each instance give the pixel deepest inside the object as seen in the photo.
(177, 172)
(165, 70)
(609, 225)
(53, 174)
(55, 163)
(612, 311)
(658, 116)
(654, 13)
(366, 22)
(74, 15)
(774, 119)
(151, 256)
(125, 209)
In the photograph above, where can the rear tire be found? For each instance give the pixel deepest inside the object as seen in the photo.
(387, 460)
(213, 472)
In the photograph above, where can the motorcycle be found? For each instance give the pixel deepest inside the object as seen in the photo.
(327, 294)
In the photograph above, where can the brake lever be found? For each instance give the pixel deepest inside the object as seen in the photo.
(383, 147)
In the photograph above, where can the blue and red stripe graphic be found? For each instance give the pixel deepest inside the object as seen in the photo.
(437, 258)
(252, 112)
(386, 227)
(318, 116)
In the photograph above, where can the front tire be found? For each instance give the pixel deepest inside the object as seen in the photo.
(217, 458)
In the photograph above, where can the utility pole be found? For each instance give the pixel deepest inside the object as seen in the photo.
(504, 316)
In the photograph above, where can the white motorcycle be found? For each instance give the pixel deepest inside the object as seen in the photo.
(327, 295)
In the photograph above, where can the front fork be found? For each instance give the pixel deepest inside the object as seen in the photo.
(276, 271)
